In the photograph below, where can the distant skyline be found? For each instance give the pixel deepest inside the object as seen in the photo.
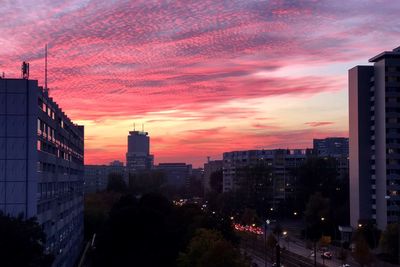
(203, 76)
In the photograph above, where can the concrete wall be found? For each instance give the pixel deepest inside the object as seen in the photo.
(18, 181)
(359, 144)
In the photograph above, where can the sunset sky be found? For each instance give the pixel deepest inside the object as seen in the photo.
(203, 76)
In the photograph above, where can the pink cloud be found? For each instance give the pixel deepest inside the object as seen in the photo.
(319, 123)
(129, 59)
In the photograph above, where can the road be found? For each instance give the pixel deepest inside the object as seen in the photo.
(294, 253)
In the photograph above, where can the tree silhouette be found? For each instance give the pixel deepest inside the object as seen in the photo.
(21, 243)
(209, 249)
(116, 183)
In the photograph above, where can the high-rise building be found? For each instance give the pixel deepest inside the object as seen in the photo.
(374, 117)
(138, 157)
(41, 166)
(337, 148)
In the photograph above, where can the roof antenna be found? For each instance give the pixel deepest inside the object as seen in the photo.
(45, 69)
(25, 70)
(134, 128)
(142, 127)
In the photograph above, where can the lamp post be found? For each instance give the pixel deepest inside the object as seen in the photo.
(265, 241)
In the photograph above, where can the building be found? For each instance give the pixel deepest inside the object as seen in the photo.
(96, 176)
(280, 161)
(176, 174)
(337, 148)
(374, 117)
(331, 147)
(138, 157)
(209, 168)
(41, 166)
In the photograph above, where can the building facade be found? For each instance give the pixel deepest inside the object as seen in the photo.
(281, 162)
(41, 166)
(138, 157)
(337, 148)
(374, 118)
(176, 174)
(96, 176)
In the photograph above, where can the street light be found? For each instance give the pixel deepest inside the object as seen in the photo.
(267, 222)
(322, 219)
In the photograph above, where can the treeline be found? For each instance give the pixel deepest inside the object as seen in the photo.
(151, 231)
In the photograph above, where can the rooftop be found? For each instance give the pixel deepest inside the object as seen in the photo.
(395, 53)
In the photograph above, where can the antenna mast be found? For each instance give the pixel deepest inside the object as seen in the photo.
(45, 68)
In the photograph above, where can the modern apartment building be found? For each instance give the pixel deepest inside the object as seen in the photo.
(41, 166)
(281, 162)
(337, 148)
(374, 117)
(138, 157)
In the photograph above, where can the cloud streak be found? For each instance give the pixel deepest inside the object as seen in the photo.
(201, 61)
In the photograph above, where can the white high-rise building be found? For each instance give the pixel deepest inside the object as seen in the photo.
(374, 117)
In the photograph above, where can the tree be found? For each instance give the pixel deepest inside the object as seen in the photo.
(97, 207)
(316, 215)
(21, 243)
(255, 187)
(389, 242)
(369, 231)
(249, 217)
(208, 249)
(318, 175)
(362, 253)
(146, 182)
(116, 183)
(216, 179)
(137, 234)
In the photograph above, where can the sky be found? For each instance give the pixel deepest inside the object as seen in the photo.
(204, 77)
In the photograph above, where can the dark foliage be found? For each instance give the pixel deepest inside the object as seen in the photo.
(216, 179)
(389, 242)
(21, 243)
(116, 183)
(150, 231)
(209, 249)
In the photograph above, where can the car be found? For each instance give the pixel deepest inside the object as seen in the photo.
(276, 265)
(345, 265)
(326, 255)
